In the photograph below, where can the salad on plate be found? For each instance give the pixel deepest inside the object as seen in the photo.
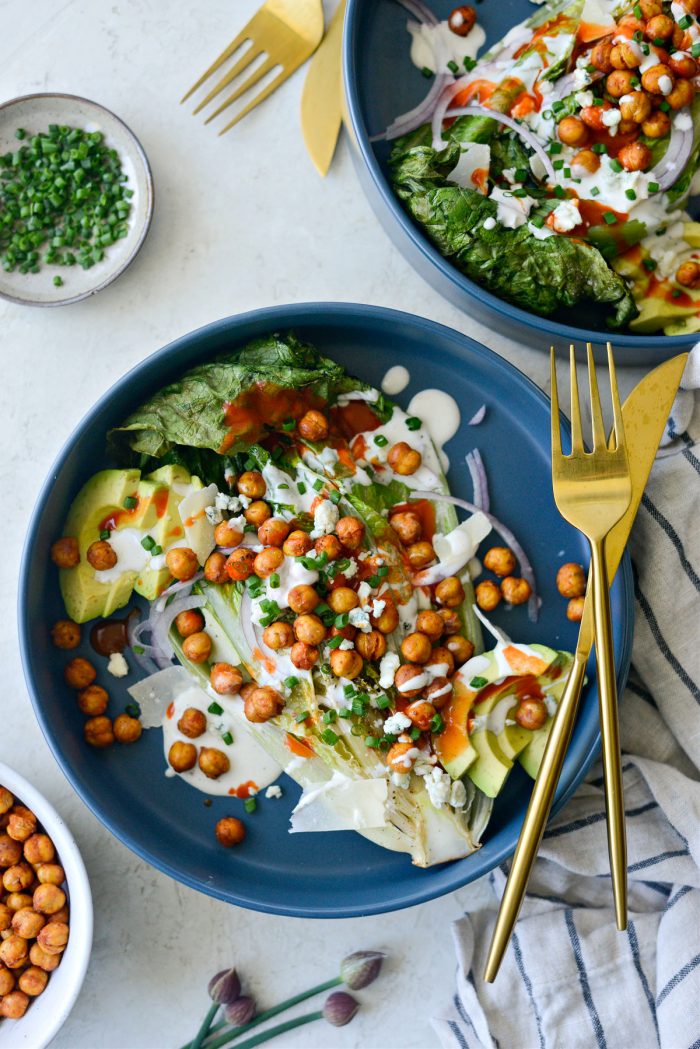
(301, 599)
(555, 170)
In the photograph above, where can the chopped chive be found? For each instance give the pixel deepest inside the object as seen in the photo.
(329, 716)
(415, 733)
(133, 710)
(616, 165)
(105, 533)
(609, 218)
(349, 691)
(637, 11)
(437, 724)
(381, 441)
(250, 804)
(301, 488)
(372, 741)
(283, 486)
(676, 293)
(336, 641)
(301, 717)
(665, 107)
(427, 73)
(685, 22)
(130, 502)
(330, 737)
(148, 542)
(521, 174)
(659, 41)
(383, 702)
(453, 67)
(318, 484)
(157, 551)
(654, 188)
(288, 425)
(595, 192)
(537, 221)
(554, 148)
(58, 281)
(291, 682)
(215, 708)
(342, 620)
(382, 571)
(630, 194)
(519, 192)
(599, 147)
(274, 581)
(638, 36)
(559, 192)
(374, 580)
(469, 63)
(413, 422)
(227, 738)
(649, 264)
(334, 497)
(478, 682)
(695, 50)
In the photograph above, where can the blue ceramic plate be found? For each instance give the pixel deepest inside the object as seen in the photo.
(164, 820)
(380, 83)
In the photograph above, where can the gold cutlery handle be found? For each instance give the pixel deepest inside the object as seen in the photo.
(610, 732)
(536, 816)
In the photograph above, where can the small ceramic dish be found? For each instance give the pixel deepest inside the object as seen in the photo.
(47, 1013)
(34, 113)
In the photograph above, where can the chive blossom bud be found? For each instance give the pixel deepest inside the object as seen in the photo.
(240, 1012)
(225, 987)
(361, 969)
(339, 1008)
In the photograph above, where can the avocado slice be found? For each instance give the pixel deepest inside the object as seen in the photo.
(554, 682)
(169, 485)
(100, 498)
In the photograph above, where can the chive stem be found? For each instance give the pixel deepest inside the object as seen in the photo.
(271, 1032)
(269, 1013)
(203, 1031)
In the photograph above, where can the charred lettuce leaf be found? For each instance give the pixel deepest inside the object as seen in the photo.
(539, 275)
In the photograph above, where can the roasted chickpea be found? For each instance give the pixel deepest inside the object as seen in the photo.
(572, 131)
(659, 27)
(42, 959)
(421, 714)
(619, 83)
(251, 484)
(574, 609)
(263, 704)
(449, 592)
(10, 850)
(488, 595)
(461, 20)
(52, 873)
(98, 732)
(101, 555)
(371, 646)
(278, 635)
(430, 623)
(297, 543)
(229, 831)
(351, 532)
(347, 631)
(48, 899)
(688, 274)
(302, 599)
(624, 56)
(585, 162)
(388, 620)
(500, 559)
(39, 849)
(53, 937)
(401, 757)
(127, 729)
(452, 624)
(416, 648)
(682, 94)
(310, 629)
(18, 877)
(461, 648)
(239, 565)
(191, 621)
(636, 107)
(439, 692)
(213, 762)
(657, 79)
(27, 923)
(405, 675)
(16, 901)
(600, 56)
(268, 561)
(248, 689)
(197, 647)
(225, 679)
(403, 459)
(531, 713)
(346, 663)
(6, 800)
(343, 599)
(7, 981)
(329, 545)
(33, 981)
(228, 533)
(420, 554)
(65, 552)
(571, 580)
(182, 562)
(304, 656)
(407, 525)
(649, 8)
(657, 125)
(682, 65)
(61, 916)
(273, 532)
(441, 656)
(313, 426)
(93, 700)
(192, 723)
(14, 1005)
(257, 513)
(592, 116)
(14, 951)
(65, 634)
(182, 756)
(215, 568)
(79, 673)
(5, 918)
(516, 591)
(630, 24)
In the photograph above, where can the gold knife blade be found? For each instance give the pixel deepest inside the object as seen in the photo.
(321, 114)
(644, 413)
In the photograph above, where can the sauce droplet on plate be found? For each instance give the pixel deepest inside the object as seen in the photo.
(440, 413)
(109, 637)
(396, 380)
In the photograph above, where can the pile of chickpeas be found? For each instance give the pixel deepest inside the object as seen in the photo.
(34, 920)
(512, 589)
(645, 100)
(571, 584)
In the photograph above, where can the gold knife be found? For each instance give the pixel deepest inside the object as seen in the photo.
(321, 114)
(645, 413)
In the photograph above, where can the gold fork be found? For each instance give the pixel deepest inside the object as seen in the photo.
(592, 491)
(284, 33)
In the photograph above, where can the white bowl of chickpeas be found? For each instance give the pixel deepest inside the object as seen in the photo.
(45, 916)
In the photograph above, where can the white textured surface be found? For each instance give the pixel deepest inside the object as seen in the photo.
(240, 222)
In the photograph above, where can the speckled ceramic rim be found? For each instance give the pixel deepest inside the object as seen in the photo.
(80, 897)
(150, 199)
(280, 317)
(404, 228)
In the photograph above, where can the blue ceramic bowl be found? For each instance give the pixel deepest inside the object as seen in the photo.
(164, 820)
(380, 83)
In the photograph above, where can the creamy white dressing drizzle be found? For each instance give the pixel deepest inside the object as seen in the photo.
(395, 380)
(429, 41)
(441, 416)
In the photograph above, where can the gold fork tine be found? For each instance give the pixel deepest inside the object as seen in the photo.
(251, 54)
(599, 439)
(226, 53)
(619, 426)
(253, 79)
(576, 426)
(554, 394)
(272, 86)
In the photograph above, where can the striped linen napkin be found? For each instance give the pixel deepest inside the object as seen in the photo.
(569, 980)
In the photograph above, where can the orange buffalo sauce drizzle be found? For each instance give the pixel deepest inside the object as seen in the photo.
(424, 511)
(120, 518)
(267, 661)
(265, 404)
(298, 746)
(170, 712)
(244, 790)
(454, 739)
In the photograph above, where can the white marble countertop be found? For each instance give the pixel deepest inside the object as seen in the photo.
(240, 222)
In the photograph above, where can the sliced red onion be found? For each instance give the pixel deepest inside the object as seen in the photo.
(162, 621)
(420, 11)
(422, 113)
(566, 85)
(478, 416)
(478, 475)
(505, 534)
(483, 111)
(680, 146)
(175, 588)
(139, 650)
